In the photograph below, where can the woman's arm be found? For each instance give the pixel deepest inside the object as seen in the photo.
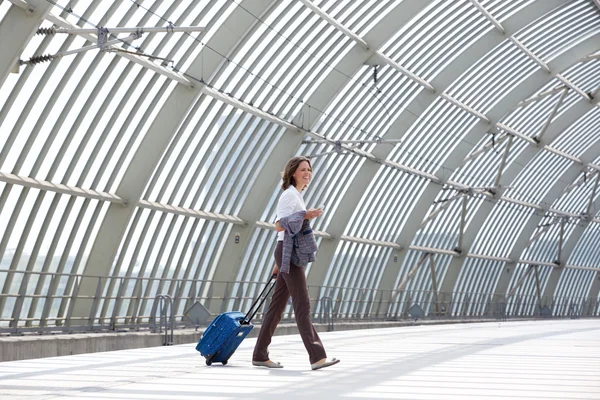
(278, 227)
(310, 214)
(285, 206)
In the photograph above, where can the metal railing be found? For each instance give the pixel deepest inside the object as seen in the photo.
(164, 304)
(73, 302)
(500, 311)
(327, 312)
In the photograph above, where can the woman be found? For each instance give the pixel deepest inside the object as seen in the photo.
(296, 177)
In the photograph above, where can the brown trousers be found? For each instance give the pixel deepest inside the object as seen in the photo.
(292, 284)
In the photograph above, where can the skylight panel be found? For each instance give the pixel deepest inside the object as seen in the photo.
(586, 253)
(497, 234)
(581, 135)
(502, 10)
(563, 27)
(537, 179)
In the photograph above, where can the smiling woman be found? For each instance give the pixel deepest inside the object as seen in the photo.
(298, 172)
(292, 221)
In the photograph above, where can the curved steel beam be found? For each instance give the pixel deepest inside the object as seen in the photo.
(401, 126)
(549, 288)
(575, 236)
(594, 292)
(152, 146)
(509, 174)
(16, 30)
(453, 161)
(289, 143)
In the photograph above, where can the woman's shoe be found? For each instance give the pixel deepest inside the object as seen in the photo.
(327, 363)
(268, 364)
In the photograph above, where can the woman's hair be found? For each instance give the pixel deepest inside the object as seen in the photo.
(290, 169)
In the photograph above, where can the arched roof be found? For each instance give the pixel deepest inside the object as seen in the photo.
(455, 146)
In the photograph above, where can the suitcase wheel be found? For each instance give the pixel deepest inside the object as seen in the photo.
(210, 359)
(224, 362)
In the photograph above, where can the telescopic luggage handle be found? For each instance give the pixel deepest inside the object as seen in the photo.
(247, 319)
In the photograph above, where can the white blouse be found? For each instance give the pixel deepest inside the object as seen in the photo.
(290, 201)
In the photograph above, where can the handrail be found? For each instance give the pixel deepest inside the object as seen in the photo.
(122, 306)
(327, 312)
(574, 311)
(165, 304)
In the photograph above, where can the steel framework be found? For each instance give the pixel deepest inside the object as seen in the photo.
(458, 136)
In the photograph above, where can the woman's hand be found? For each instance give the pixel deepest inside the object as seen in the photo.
(275, 271)
(313, 213)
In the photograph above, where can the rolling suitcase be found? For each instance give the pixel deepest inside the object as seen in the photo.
(227, 331)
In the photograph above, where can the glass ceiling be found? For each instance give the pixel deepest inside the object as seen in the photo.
(454, 144)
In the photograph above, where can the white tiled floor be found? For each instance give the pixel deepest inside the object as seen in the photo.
(508, 360)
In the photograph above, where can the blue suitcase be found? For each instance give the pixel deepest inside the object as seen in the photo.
(227, 331)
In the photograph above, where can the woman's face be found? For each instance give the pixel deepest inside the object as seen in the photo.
(303, 174)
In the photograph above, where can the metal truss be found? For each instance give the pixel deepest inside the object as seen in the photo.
(88, 34)
(454, 269)
(405, 119)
